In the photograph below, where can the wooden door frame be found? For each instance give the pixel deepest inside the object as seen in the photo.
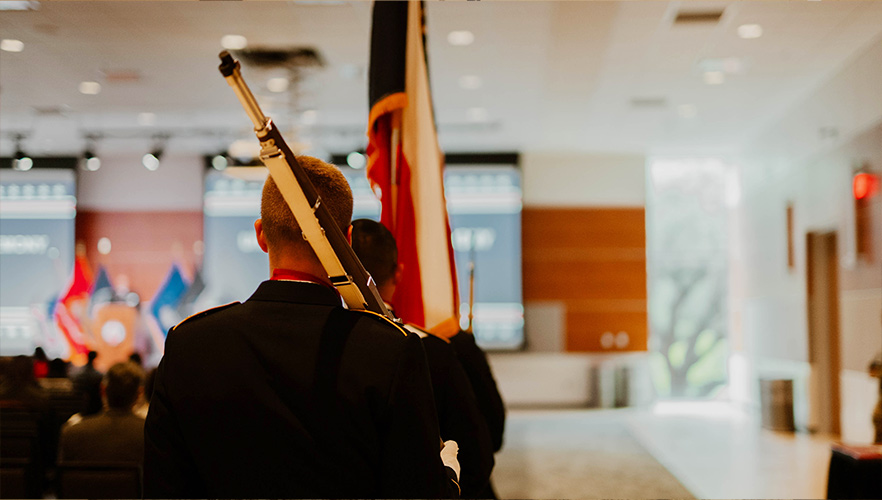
(832, 340)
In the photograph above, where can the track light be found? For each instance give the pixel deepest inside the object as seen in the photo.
(151, 159)
(220, 161)
(21, 161)
(91, 162)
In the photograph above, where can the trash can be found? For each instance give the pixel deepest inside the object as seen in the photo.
(776, 400)
(623, 386)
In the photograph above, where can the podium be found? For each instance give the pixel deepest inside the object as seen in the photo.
(855, 471)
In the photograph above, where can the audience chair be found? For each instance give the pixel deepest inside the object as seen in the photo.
(98, 480)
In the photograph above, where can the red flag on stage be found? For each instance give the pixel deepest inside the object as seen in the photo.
(72, 308)
(405, 168)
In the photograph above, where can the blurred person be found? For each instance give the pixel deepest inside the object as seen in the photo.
(289, 394)
(458, 412)
(19, 388)
(41, 363)
(116, 434)
(144, 402)
(135, 357)
(87, 383)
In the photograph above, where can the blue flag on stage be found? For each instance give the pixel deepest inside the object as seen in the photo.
(164, 305)
(101, 292)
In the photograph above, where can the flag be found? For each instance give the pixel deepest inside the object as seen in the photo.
(405, 168)
(101, 291)
(163, 307)
(187, 302)
(72, 307)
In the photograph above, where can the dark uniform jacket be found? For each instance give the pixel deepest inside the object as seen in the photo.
(475, 364)
(290, 395)
(459, 416)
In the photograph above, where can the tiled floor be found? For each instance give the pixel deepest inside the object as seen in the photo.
(718, 452)
(713, 450)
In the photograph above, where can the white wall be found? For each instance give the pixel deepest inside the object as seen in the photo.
(796, 160)
(583, 180)
(124, 185)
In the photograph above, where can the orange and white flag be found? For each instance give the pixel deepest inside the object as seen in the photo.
(405, 168)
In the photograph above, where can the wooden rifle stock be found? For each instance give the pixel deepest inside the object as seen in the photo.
(318, 226)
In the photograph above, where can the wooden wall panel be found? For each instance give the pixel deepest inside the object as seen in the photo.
(143, 245)
(593, 260)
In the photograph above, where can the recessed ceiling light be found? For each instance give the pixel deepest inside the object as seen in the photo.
(714, 77)
(234, 42)
(460, 38)
(687, 110)
(470, 82)
(748, 31)
(10, 45)
(279, 84)
(477, 114)
(90, 88)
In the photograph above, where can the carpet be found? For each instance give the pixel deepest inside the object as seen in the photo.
(578, 454)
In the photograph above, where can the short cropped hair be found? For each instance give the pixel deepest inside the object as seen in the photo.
(121, 383)
(278, 222)
(376, 249)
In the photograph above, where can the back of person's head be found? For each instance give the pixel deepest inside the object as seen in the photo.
(278, 222)
(121, 384)
(40, 354)
(57, 368)
(136, 358)
(20, 371)
(375, 247)
(91, 357)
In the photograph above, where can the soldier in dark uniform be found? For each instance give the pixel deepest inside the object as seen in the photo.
(458, 410)
(289, 394)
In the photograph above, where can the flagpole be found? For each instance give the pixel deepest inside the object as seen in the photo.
(471, 283)
(393, 167)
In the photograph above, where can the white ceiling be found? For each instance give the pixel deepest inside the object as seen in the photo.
(555, 75)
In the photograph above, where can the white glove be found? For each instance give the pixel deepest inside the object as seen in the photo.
(448, 456)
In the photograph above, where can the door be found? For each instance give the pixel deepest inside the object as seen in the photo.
(823, 332)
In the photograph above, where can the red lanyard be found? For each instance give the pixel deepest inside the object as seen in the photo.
(291, 275)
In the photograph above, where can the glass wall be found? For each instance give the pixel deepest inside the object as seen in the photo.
(687, 277)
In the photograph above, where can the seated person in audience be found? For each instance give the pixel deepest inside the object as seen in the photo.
(143, 404)
(87, 383)
(290, 395)
(56, 381)
(19, 387)
(116, 434)
(458, 411)
(41, 363)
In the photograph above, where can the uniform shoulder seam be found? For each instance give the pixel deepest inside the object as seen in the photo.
(382, 318)
(205, 313)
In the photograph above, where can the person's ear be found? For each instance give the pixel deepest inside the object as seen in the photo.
(261, 236)
(349, 234)
(396, 277)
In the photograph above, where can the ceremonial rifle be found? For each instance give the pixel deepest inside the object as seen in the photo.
(318, 226)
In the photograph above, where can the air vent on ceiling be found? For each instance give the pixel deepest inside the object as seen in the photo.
(51, 110)
(121, 75)
(297, 57)
(649, 102)
(699, 17)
